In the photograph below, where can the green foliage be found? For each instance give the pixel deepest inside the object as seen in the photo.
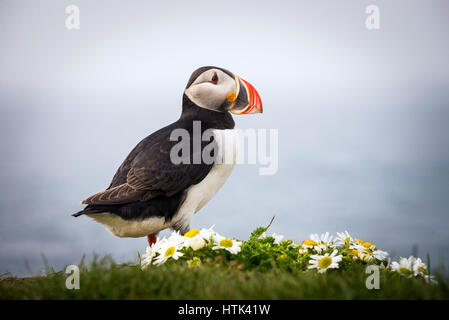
(263, 269)
(103, 279)
(262, 253)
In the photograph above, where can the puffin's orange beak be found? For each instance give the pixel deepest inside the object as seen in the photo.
(247, 99)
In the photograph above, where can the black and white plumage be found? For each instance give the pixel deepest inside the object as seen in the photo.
(149, 192)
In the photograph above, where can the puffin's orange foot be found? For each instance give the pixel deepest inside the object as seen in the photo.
(152, 238)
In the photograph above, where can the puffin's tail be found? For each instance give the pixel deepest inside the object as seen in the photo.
(79, 213)
(87, 209)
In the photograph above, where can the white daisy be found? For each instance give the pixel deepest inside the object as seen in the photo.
(357, 247)
(177, 238)
(168, 249)
(152, 252)
(206, 234)
(404, 266)
(221, 242)
(361, 245)
(366, 251)
(419, 268)
(324, 262)
(317, 242)
(324, 238)
(369, 246)
(313, 245)
(343, 239)
(380, 255)
(147, 258)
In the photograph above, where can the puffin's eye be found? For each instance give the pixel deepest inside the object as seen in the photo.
(214, 79)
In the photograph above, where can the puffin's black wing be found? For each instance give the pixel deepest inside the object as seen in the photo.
(148, 171)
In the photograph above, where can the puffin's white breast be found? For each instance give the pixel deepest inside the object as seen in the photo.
(200, 194)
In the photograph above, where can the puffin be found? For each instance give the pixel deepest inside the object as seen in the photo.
(172, 173)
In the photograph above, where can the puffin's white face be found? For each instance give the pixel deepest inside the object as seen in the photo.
(210, 89)
(219, 90)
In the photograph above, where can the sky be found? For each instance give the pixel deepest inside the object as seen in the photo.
(361, 117)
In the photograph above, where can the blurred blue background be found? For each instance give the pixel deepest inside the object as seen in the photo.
(362, 117)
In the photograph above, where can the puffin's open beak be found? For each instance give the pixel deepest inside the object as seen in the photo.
(246, 99)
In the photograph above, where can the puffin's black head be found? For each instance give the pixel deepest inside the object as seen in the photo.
(220, 90)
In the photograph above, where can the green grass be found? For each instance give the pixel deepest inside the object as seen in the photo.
(104, 279)
(262, 269)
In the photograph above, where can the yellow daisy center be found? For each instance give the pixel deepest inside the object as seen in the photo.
(359, 241)
(169, 251)
(191, 233)
(310, 243)
(227, 243)
(324, 262)
(354, 252)
(423, 270)
(369, 245)
(405, 271)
